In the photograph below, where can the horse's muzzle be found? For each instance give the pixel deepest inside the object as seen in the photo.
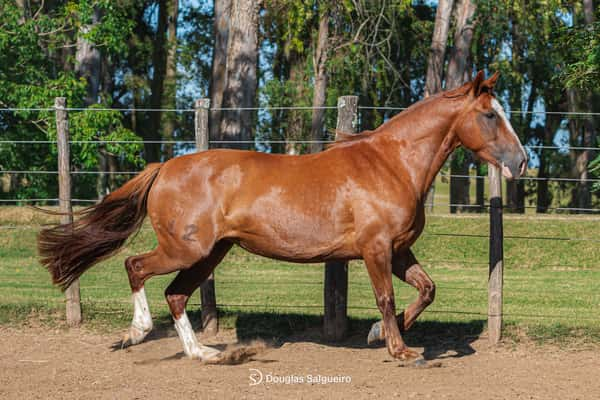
(514, 167)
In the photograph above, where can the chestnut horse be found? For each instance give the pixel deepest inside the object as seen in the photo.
(362, 198)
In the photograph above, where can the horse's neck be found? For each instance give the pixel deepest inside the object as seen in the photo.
(421, 141)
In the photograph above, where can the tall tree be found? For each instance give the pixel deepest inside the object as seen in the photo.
(297, 60)
(88, 60)
(435, 62)
(170, 89)
(320, 73)
(242, 60)
(159, 66)
(458, 69)
(218, 78)
(583, 131)
(88, 66)
(437, 52)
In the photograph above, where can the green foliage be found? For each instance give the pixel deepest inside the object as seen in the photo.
(582, 44)
(377, 50)
(37, 65)
(595, 170)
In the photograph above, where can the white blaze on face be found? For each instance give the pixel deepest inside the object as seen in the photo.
(191, 347)
(500, 111)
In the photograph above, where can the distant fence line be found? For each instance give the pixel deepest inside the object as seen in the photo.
(75, 172)
(258, 108)
(257, 140)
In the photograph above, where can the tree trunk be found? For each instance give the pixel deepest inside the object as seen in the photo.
(543, 195)
(170, 95)
(435, 64)
(320, 72)
(585, 132)
(435, 61)
(457, 66)
(515, 190)
(582, 133)
(460, 186)
(588, 12)
(218, 77)
(159, 63)
(88, 62)
(295, 118)
(25, 10)
(242, 60)
(479, 188)
(88, 65)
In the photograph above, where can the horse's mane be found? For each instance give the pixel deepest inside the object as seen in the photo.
(343, 138)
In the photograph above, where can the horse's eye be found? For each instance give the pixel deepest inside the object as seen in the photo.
(490, 115)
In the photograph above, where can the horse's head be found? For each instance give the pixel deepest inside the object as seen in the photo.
(484, 128)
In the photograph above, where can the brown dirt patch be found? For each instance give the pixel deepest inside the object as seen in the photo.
(41, 363)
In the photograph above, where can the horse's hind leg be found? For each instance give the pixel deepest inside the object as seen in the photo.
(139, 269)
(406, 267)
(180, 290)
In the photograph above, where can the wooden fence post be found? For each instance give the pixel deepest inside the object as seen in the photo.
(64, 200)
(208, 298)
(335, 319)
(496, 272)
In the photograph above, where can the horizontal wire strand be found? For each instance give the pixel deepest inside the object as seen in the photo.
(257, 140)
(258, 108)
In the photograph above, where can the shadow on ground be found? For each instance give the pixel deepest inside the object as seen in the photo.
(439, 339)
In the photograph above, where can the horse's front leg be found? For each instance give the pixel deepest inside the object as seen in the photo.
(406, 267)
(378, 259)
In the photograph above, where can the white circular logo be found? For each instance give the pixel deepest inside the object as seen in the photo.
(256, 376)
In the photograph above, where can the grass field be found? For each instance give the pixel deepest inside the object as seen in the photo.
(551, 287)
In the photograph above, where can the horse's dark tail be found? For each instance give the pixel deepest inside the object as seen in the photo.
(67, 251)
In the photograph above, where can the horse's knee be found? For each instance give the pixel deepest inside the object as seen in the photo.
(428, 293)
(135, 272)
(176, 302)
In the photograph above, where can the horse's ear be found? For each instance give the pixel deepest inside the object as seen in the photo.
(489, 83)
(476, 84)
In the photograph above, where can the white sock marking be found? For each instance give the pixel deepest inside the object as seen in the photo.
(141, 324)
(191, 347)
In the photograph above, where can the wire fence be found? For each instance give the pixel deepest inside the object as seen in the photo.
(449, 235)
(565, 147)
(267, 107)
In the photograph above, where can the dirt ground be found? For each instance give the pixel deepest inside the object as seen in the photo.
(37, 363)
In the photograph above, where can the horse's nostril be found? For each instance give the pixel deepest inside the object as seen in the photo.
(522, 167)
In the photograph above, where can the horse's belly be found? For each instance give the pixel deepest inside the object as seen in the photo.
(296, 243)
(299, 254)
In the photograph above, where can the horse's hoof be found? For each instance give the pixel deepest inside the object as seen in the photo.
(409, 355)
(210, 356)
(132, 337)
(405, 354)
(375, 334)
(126, 341)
